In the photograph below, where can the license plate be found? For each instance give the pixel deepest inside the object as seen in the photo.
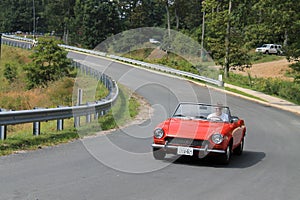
(185, 151)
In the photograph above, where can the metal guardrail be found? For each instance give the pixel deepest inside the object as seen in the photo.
(14, 41)
(97, 108)
(136, 62)
(40, 115)
(149, 65)
(169, 70)
(16, 117)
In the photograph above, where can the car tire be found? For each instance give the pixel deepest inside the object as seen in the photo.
(267, 52)
(159, 154)
(239, 149)
(225, 158)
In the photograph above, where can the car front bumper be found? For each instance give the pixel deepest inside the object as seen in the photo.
(173, 147)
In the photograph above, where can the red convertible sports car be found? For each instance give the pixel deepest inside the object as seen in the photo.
(199, 130)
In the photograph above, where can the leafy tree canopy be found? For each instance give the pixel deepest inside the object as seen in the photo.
(49, 63)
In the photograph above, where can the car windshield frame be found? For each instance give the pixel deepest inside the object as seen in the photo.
(199, 111)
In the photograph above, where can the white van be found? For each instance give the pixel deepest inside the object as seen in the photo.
(270, 49)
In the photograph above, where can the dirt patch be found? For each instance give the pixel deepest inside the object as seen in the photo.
(274, 69)
(157, 54)
(145, 110)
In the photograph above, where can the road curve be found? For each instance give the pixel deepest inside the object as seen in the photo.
(119, 165)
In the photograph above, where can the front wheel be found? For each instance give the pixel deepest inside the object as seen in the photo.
(225, 158)
(159, 154)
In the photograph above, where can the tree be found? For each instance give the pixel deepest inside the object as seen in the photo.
(270, 21)
(58, 14)
(95, 21)
(144, 13)
(293, 49)
(15, 15)
(186, 20)
(49, 63)
(224, 36)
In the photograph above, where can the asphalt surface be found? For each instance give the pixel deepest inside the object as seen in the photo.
(119, 165)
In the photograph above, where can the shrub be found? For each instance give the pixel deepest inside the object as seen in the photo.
(10, 72)
(272, 86)
(290, 91)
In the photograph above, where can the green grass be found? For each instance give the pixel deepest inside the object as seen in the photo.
(26, 141)
(92, 88)
(20, 137)
(124, 110)
(243, 93)
(176, 62)
(15, 57)
(287, 90)
(261, 58)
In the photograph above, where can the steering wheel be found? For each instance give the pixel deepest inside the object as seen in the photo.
(215, 118)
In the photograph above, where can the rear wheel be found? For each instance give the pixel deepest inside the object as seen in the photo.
(239, 149)
(159, 154)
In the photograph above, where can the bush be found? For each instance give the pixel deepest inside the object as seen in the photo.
(290, 91)
(10, 72)
(269, 86)
(272, 86)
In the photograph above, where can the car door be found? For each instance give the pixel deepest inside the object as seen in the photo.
(272, 49)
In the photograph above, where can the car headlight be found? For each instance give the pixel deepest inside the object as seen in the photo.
(158, 133)
(217, 138)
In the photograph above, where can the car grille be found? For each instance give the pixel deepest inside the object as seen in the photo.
(185, 141)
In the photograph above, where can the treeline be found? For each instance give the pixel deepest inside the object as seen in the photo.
(231, 27)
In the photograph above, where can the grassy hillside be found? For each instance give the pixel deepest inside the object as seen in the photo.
(15, 96)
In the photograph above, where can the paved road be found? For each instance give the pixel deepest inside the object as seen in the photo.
(119, 165)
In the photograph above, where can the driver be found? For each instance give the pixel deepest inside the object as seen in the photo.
(219, 114)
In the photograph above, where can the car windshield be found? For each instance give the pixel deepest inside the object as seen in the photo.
(203, 112)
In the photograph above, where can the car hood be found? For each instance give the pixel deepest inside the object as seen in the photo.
(196, 129)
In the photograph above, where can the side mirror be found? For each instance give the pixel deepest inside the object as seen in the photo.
(241, 122)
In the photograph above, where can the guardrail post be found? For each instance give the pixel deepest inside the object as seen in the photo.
(79, 97)
(96, 115)
(3, 131)
(0, 45)
(79, 102)
(88, 116)
(60, 123)
(36, 128)
(76, 121)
